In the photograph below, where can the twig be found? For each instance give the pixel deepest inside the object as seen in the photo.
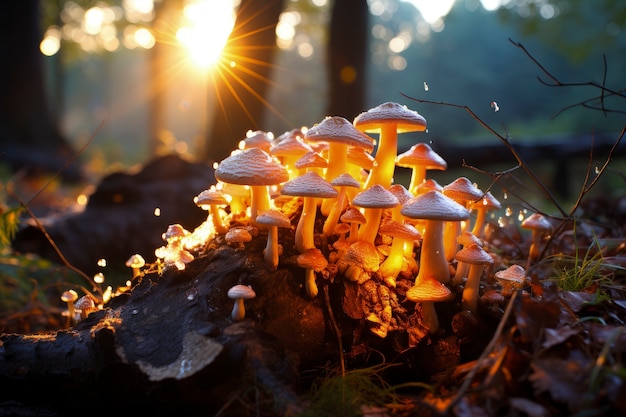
(336, 329)
(492, 343)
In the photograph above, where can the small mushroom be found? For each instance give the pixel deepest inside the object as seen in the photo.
(539, 225)
(420, 158)
(273, 219)
(85, 305)
(477, 258)
(511, 279)
(239, 293)
(313, 261)
(237, 237)
(210, 200)
(136, 262)
(428, 291)
(482, 206)
(373, 201)
(311, 186)
(388, 119)
(463, 192)
(343, 182)
(355, 219)
(401, 233)
(69, 297)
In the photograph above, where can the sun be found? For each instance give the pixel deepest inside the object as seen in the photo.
(207, 28)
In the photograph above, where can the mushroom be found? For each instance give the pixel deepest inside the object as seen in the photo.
(313, 261)
(511, 279)
(273, 219)
(311, 161)
(237, 237)
(85, 306)
(463, 192)
(435, 208)
(482, 206)
(256, 168)
(388, 119)
(69, 297)
(427, 292)
(476, 257)
(340, 134)
(420, 158)
(539, 225)
(136, 262)
(401, 234)
(257, 139)
(310, 186)
(239, 293)
(465, 239)
(360, 261)
(373, 200)
(343, 181)
(355, 219)
(289, 150)
(210, 200)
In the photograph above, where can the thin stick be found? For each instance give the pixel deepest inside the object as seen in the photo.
(336, 329)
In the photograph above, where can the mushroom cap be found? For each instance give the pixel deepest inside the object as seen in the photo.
(210, 197)
(363, 254)
(433, 205)
(488, 202)
(537, 221)
(467, 239)
(360, 157)
(312, 258)
(345, 180)
(293, 134)
(428, 185)
(135, 261)
(241, 291)
(237, 235)
(428, 289)
(175, 231)
(69, 296)
(406, 120)
(475, 255)
(295, 147)
(513, 273)
(339, 130)
(273, 217)
(400, 230)
(375, 197)
(311, 159)
(462, 190)
(257, 139)
(353, 215)
(421, 154)
(341, 228)
(402, 194)
(251, 166)
(85, 303)
(310, 184)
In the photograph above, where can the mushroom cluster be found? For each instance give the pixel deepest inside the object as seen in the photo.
(331, 187)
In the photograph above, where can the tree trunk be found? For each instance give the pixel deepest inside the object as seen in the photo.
(346, 58)
(30, 137)
(241, 88)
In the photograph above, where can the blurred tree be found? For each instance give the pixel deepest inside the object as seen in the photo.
(30, 137)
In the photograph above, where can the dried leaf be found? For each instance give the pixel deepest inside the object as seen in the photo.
(563, 379)
(555, 337)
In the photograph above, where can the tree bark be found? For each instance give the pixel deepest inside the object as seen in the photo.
(347, 58)
(241, 88)
(30, 137)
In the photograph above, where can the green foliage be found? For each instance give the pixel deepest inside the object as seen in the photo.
(581, 272)
(9, 222)
(345, 395)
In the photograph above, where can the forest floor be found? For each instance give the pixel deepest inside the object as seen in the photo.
(555, 347)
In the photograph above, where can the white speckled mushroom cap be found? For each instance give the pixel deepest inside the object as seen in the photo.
(433, 205)
(428, 289)
(241, 291)
(474, 254)
(421, 154)
(273, 217)
(251, 166)
(375, 197)
(311, 184)
(339, 129)
(462, 190)
(407, 120)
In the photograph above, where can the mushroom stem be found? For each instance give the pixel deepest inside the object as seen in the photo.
(335, 212)
(391, 267)
(451, 230)
(216, 217)
(310, 284)
(470, 291)
(260, 200)
(306, 225)
(385, 159)
(479, 225)
(369, 230)
(270, 252)
(430, 320)
(418, 175)
(239, 310)
(432, 257)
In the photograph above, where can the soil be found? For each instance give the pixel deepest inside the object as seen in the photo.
(168, 344)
